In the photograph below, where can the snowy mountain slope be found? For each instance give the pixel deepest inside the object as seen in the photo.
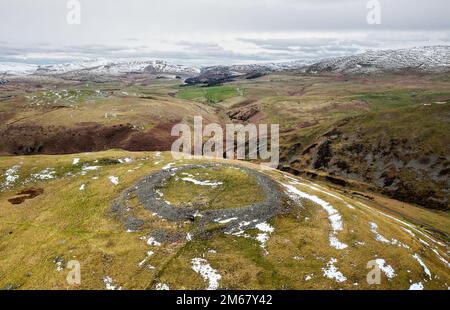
(68, 67)
(117, 68)
(421, 59)
(15, 68)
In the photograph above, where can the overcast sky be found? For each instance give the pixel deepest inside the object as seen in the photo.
(214, 31)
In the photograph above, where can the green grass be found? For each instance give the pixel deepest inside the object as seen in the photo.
(246, 190)
(389, 100)
(214, 94)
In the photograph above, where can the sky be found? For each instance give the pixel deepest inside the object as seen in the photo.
(211, 32)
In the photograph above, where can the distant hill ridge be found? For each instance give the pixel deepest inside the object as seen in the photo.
(427, 59)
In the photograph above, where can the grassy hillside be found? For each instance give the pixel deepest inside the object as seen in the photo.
(378, 112)
(302, 247)
(209, 94)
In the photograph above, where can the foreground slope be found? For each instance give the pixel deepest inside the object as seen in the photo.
(389, 130)
(54, 209)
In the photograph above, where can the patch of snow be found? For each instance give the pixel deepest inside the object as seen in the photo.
(335, 243)
(378, 237)
(332, 272)
(333, 216)
(263, 237)
(159, 193)
(114, 180)
(162, 287)
(149, 253)
(109, 283)
(382, 239)
(399, 243)
(126, 160)
(349, 206)
(265, 227)
(202, 183)
(82, 187)
(87, 168)
(402, 222)
(209, 274)
(441, 258)
(409, 231)
(425, 268)
(152, 241)
(320, 189)
(197, 214)
(46, 174)
(59, 266)
(11, 176)
(75, 161)
(416, 287)
(226, 221)
(189, 237)
(387, 269)
(16, 68)
(424, 242)
(168, 166)
(309, 276)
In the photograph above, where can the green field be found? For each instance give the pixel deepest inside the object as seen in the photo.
(186, 189)
(214, 94)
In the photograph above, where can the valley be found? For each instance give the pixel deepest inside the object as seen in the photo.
(86, 174)
(390, 131)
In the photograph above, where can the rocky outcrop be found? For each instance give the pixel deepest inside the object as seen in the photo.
(243, 114)
(396, 166)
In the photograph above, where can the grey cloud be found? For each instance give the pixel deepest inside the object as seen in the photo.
(198, 30)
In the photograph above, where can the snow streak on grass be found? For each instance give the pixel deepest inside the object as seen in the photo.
(387, 269)
(209, 274)
(109, 284)
(333, 216)
(420, 261)
(11, 176)
(332, 272)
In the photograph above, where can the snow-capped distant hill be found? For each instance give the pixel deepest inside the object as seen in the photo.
(421, 59)
(69, 67)
(109, 68)
(263, 68)
(98, 67)
(15, 68)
